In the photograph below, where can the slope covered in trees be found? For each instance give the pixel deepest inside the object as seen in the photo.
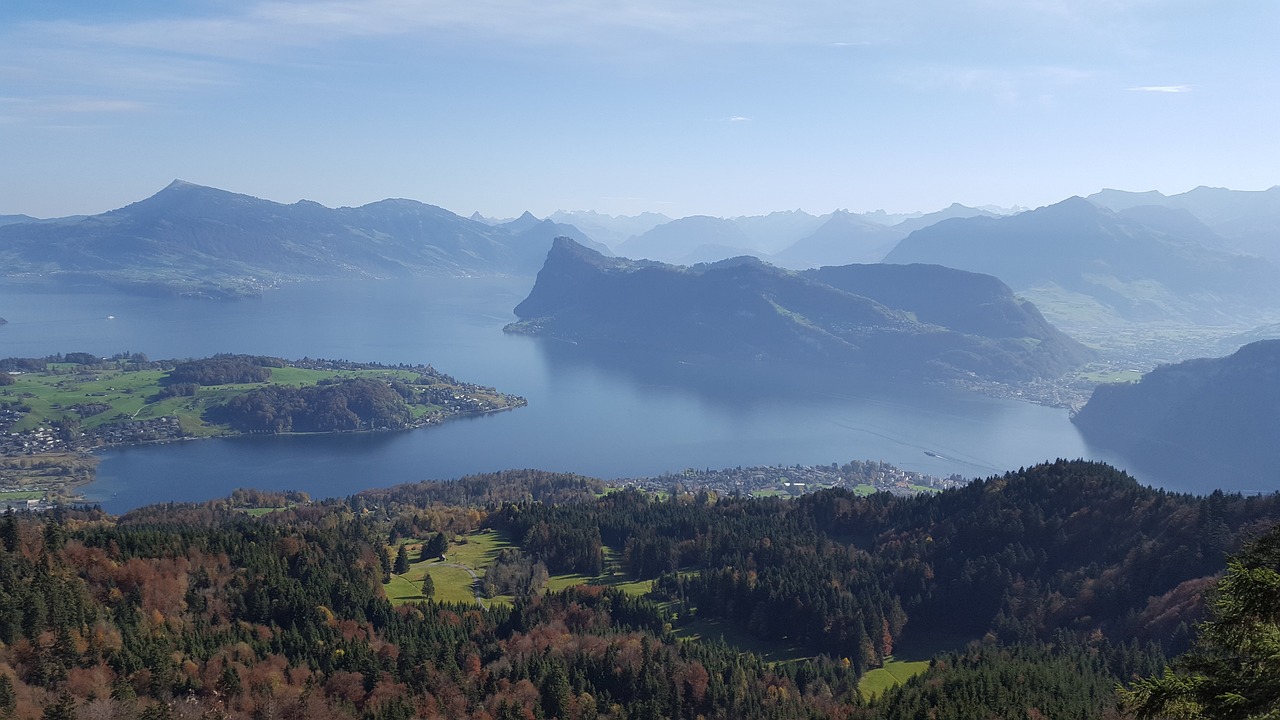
(1220, 413)
(1068, 576)
(1233, 672)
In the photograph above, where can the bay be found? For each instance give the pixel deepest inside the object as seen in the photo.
(620, 414)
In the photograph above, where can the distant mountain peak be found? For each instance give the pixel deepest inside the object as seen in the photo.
(565, 247)
(1075, 202)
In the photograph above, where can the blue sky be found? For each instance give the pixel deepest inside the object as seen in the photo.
(711, 107)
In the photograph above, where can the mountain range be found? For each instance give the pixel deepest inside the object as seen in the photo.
(1243, 220)
(1145, 259)
(1085, 264)
(885, 321)
(197, 240)
(793, 239)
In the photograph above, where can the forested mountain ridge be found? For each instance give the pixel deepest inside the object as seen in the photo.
(1223, 411)
(200, 240)
(179, 610)
(743, 310)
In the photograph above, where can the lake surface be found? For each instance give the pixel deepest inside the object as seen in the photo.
(610, 416)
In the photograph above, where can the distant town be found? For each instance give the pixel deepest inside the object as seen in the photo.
(865, 477)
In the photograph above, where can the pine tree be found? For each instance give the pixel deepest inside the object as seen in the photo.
(428, 586)
(64, 708)
(229, 683)
(435, 547)
(1233, 670)
(385, 561)
(402, 561)
(7, 699)
(9, 530)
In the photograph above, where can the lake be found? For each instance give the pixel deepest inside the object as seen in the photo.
(607, 415)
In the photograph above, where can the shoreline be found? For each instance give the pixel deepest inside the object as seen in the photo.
(63, 493)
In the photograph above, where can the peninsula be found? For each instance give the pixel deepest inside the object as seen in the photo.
(53, 410)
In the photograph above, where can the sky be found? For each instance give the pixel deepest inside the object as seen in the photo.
(717, 107)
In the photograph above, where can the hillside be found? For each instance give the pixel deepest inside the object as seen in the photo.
(1059, 580)
(1221, 412)
(197, 240)
(744, 311)
(1086, 265)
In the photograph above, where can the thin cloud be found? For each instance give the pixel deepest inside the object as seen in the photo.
(1162, 88)
(739, 118)
(94, 105)
(49, 111)
(264, 26)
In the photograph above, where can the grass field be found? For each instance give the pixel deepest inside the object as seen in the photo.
(1113, 376)
(454, 584)
(21, 495)
(260, 511)
(894, 673)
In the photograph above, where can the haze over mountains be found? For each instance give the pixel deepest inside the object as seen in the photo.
(199, 240)
(1152, 259)
(793, 239)
(864, 318)
(1245, 221)
(1088, 265)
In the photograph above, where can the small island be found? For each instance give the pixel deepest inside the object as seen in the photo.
(54, 410)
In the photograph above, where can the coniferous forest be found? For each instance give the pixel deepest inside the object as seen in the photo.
(1055, 583)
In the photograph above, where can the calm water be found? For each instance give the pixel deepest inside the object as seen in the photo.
(609, 417)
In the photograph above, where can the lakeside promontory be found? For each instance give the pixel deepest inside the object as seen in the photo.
(55, 409)
(921, 322)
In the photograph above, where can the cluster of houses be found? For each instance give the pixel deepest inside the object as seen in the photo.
(128, 432)
(27, 505)
(49, 440)
(457, 402)
(799, 479)
(31, 442)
